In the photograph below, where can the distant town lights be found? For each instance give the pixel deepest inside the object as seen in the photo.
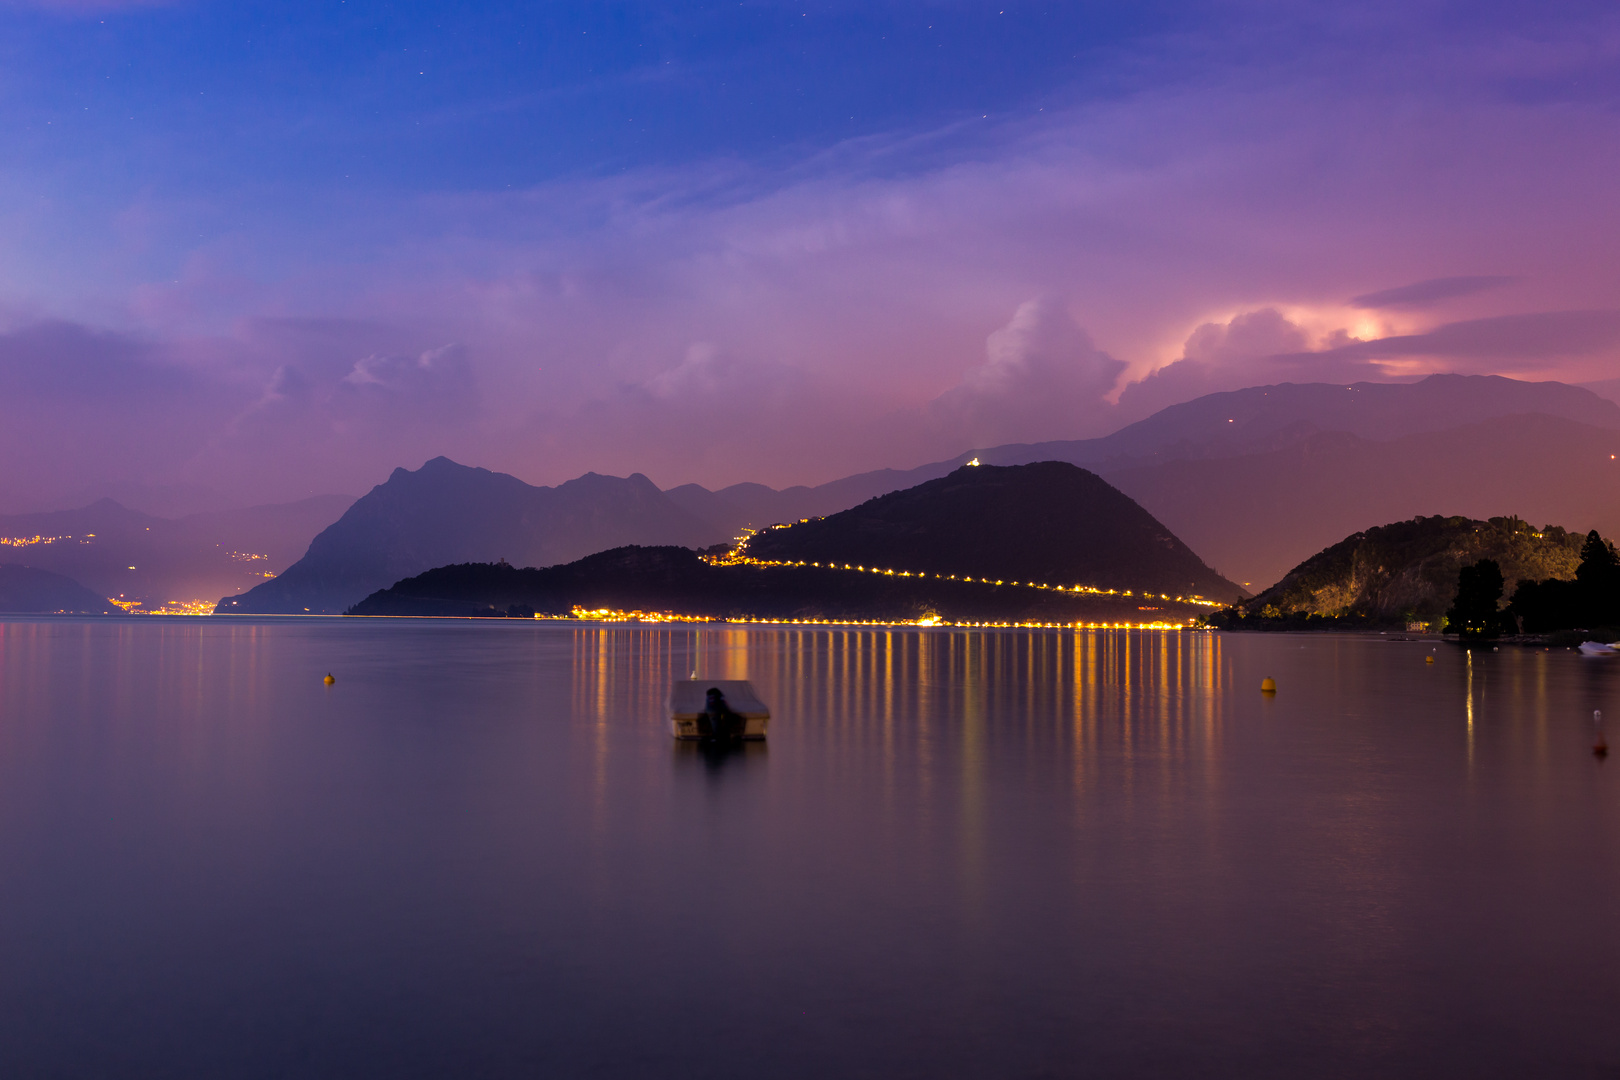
(735, 557)
(610, 615)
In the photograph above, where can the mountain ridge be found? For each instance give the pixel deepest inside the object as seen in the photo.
(1407, 570)
(27, 590)
(120, 552)
(676, 581)
(1228, 424)
(1049, 522)
(445, 512)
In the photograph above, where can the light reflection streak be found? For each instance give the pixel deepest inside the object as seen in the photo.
(1469, 698)
(932, 707)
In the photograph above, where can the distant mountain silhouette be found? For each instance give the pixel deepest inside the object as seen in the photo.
(1407, 570)
(753, 505)
(448, 513)
(1050, 522)
(673, 579)
(1261, 419)
(1254, 480)
(1256, 516)
(27, 590)
(118, 552)
(156, 500)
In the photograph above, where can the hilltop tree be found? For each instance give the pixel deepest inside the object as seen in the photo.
(1548, 605)
(1591, 600)
(1473, 613)
(1599, 578)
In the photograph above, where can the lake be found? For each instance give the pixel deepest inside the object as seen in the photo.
(960, 854)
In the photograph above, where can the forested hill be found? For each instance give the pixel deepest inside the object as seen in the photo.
(1408, 570)
(676, 581)
(1048, 522)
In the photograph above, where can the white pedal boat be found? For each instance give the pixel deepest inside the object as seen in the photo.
(1597, 648)
(689, 699)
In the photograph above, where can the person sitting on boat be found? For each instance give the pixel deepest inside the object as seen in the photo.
(718, 720)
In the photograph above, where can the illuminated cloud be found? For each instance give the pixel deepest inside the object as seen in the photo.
(1251, 348)
(1519, 341)
(1043, 378)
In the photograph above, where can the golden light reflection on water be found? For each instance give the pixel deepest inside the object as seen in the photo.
(1468, 699)
(1042, 688)
(927, 722)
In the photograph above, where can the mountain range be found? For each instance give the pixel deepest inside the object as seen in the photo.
(1253, 481)
(26, 590)
(140, 558)
(676, 580)
(445, 513)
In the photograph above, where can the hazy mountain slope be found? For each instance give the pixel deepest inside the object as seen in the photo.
(1408, 570)
(280, 532)
(1050, 522)
(28, 590)
(448, 513)
(1255, 517)
(1265, 418)
(1256, 420)
(118, 552)
(709, 506)
(154, 500)
(670, 579)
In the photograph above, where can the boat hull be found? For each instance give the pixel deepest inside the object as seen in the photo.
(688, 700)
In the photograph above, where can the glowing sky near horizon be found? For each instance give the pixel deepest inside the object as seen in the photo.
(281, 249)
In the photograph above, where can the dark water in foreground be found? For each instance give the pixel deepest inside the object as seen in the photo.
(960, 855)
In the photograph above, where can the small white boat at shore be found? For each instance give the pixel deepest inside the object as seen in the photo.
(689, 716)
(1597, 648)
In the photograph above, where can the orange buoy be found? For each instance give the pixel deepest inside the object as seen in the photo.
(329, 680)
(1428, 659)
(1268, 685)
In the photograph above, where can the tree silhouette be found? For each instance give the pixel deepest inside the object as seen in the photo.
(1599, 577)
(1473, 613)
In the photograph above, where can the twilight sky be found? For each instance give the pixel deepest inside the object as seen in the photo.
(278, 249)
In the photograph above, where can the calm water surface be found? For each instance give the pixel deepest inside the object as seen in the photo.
(960, 855)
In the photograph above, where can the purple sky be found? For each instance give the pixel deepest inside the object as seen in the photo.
(274, 253)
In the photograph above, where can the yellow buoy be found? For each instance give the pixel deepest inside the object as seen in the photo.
(1428, 659)
(329, 680)
(1268, 685)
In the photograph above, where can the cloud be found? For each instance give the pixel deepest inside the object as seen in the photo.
(754, 320)
(65, 361)
(719, 413)
(436, 385)
(708, 378)
(1425, 294)
(81, 406)
(1253, 347)
(1042, 378)
(1254, 334)
(1263, 346)
(1518, 340)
